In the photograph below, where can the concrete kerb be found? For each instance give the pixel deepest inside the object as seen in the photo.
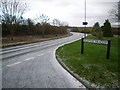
(72, 73)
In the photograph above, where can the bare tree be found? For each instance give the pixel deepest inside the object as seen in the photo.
(30, 22)
(64, 24)
(56, 22)
(118, 11)
(43, 20)
(115, 12)
(11, 13)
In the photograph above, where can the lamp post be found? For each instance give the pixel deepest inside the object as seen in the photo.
(85, 23)
(85, 10)
(85, 18)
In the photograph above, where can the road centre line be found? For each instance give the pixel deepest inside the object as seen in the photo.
(29, 58)
(20, 48)
(53, 44)
(26, 47)
(40, 54)
(30, 47)
(13, 64)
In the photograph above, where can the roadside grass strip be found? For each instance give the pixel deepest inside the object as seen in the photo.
(92, 65)
(33, 41)
(10, 65)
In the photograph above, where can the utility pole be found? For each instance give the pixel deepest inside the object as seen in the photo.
(85, 10)
(85, 23)
(85, 18)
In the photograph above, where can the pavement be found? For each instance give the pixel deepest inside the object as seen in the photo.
(35, 66)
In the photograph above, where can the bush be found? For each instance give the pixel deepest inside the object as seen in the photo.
(76, 30)
(85, 30)
(34, 30)
(88, 30)
(96, 31)
(116, 31)
(107, 30)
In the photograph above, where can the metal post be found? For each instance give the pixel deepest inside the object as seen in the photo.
(85, 10)
(108, 49)
(82, 46)
(85, 32)
(85, 19)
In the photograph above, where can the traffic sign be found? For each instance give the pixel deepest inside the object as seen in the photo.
(85, 23)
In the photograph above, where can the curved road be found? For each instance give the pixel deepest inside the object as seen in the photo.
(35, 66)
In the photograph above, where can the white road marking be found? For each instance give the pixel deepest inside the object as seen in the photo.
(29, 58)
(50, 51)
(40, 54)
(10, 65)
(50, 45)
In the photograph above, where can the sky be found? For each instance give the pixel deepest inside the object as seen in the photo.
(72, 11)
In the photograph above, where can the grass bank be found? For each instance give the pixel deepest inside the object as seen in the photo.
(7, 42)
(92, 65)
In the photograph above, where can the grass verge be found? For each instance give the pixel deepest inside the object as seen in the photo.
(33, 41)
(92, 65)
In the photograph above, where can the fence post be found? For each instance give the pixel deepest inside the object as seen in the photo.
(82, 46)
(108, 49)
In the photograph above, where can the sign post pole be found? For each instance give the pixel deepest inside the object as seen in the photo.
(82, 46)
(108, 49)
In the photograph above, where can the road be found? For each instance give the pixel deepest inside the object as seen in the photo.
(35, 66)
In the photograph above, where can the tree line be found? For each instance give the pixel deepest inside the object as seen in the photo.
(30, 28)
(13, 22)
(104, 30)
(100, 31)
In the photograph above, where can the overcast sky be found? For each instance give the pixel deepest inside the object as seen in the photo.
(71, 11)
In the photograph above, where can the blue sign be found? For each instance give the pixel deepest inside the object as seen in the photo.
(85, 23)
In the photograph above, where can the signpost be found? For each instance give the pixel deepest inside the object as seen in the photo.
(108, 42)
(95, 41)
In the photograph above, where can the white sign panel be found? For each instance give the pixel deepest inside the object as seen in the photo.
(95, 41)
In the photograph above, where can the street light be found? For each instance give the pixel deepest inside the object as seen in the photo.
(85, 23)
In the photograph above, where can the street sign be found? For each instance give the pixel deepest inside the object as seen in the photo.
(85, 23)
(108, 43)
(95, 41)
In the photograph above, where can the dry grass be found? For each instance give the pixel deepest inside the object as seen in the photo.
(7, 41)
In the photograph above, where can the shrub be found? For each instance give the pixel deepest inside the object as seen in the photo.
(107, 30)
(76, 30)
(88, 30)
(85, 30)
(96, 31)
(116, 31)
